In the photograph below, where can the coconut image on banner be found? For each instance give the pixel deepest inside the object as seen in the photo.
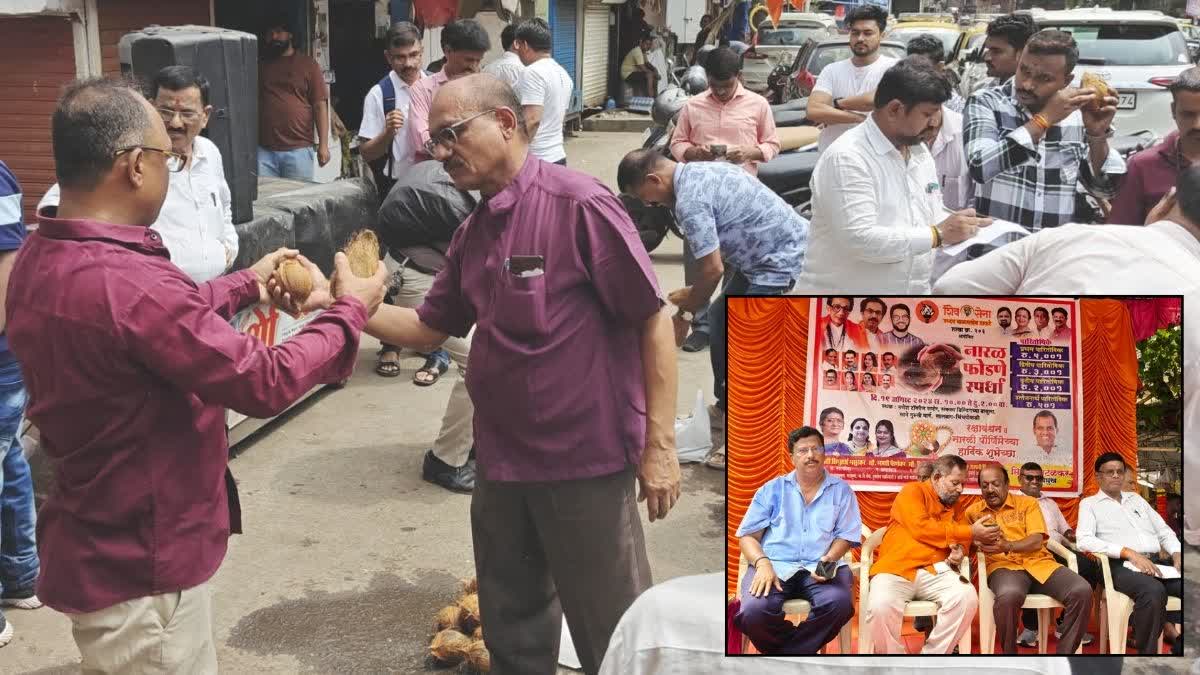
(897, 381)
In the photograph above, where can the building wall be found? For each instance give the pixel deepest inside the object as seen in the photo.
(118, 17)
(39, 58)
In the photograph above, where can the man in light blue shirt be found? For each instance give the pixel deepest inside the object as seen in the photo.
(795, 522)
(730, 219)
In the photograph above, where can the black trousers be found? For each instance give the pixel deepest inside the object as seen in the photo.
(1149, 602)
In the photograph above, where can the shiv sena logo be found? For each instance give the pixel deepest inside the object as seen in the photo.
(927, 311)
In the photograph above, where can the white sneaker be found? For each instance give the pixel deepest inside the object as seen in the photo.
(6, 631)
(30, 602)
(1027, 638)
(1088, 638)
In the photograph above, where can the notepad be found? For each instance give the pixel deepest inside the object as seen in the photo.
(1167, 571)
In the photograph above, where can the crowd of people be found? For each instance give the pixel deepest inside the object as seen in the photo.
(798, 528)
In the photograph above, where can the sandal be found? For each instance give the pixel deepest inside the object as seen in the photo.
(436, 365)
(388, 368)
(716, 459)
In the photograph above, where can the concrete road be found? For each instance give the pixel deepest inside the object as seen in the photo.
(348, 553)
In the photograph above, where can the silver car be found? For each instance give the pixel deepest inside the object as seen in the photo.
(778, 45)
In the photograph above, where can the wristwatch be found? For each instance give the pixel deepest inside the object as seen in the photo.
(837, 104)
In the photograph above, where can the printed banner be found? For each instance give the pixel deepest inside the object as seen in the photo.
(895, 382)
(267, 323)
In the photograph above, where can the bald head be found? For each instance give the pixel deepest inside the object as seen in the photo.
(95, 119)
(474, 94)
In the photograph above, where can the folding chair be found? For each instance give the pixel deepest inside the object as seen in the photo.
(1044, 604)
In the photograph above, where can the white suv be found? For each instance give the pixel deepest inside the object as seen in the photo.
(778, 45)
(1139, 53)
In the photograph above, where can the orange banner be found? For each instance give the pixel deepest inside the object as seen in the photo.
(768, 344)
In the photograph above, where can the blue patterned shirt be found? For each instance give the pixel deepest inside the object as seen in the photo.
(798, 534)
(719, 205)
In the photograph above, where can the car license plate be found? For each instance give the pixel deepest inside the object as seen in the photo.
(1126, 101)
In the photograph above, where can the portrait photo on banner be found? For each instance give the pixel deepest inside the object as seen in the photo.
(894, 382)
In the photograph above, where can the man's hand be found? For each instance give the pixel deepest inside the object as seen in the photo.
(961, 226)
(318, 298)
(263, 269)
(1096, 121)
(1143, 564)
(817, 577)
(369, 291)
(323, 154)
(985, 531)
(1163, 207)
(679, 296)
(698, 153)
(658, 478)
(394, 121)
(764, 579)
(741, 154)
(956, 555)
(1066, 101)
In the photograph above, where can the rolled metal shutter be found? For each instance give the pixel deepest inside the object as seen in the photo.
(595, 53)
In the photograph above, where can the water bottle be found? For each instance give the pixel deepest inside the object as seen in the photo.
(610, 104)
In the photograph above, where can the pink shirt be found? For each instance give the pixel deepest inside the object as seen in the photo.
(744, 119)
(421, 101)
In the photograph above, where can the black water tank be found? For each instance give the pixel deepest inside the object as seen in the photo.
(229, 60)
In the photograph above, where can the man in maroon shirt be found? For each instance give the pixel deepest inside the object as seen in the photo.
(572, 372)
(130, 366)
(1151, 172)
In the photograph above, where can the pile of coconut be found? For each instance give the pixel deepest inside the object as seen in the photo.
(458, 636)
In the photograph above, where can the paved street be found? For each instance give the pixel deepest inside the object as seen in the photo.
(348, 553)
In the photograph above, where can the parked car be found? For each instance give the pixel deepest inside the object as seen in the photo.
(1139, 53)
(798, 79)
(777, 45)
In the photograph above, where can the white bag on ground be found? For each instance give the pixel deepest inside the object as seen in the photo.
(693, 436)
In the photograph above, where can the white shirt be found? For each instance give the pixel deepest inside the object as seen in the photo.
(671, 629)
(196, 220)
(1161, 258)
(872, 212)
(545, 83)
(950, 157)
(1106, 526)
(1060, 456)
(372, 122)
(1056, 524)
(508, 68)
(842, 79)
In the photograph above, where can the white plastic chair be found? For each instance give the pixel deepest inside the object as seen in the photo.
(911, 608)
(1118, 607)
(801, 608)
(1044, 604)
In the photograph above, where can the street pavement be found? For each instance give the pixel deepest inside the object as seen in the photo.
(348, 554)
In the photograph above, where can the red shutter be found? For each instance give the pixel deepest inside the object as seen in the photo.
(38, 54)
(118, 17)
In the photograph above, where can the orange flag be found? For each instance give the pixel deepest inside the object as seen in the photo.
(775, 7)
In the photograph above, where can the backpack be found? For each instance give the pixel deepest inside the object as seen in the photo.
(382, 167)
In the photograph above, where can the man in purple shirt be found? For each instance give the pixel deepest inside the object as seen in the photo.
(572, 372)
(130, 366)
(1151, 172)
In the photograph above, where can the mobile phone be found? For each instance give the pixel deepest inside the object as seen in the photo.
(718, 150)
(827, 569)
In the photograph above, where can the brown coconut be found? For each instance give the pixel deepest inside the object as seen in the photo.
(450, 647)
(363, 252)
(294, 279)
(479, 657)
(478, 634)
(469, 605)
(448, 617)
(471, 585)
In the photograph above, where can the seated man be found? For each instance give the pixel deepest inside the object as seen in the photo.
(1059, 530)
(1124, 527)
(637, 71)
(926, 521)
(780, 540)
(1019, 563)
(925, 623)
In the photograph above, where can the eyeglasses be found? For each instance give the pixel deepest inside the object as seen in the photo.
(1033, 479)
(448, 136)
(840, 308)
(175, 161)
(188, 116)
(1113, 473)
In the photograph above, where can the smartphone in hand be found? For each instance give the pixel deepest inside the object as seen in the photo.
(827, 569)
(718, 150)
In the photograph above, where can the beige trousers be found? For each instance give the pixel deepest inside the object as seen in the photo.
(885, 611)
(456, 437)
(167, 633)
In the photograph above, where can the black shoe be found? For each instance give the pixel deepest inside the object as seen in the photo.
(696, 342)
(456, 479)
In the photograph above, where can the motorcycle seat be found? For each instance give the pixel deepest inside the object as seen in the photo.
(788, 170)
(790, 106)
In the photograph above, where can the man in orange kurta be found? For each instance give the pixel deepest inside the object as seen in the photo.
(1019, 564)
(926, 520)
